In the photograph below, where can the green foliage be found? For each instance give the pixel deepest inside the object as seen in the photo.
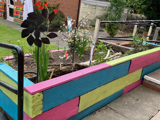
(43, 62)
(115, 11)
(100, 58)
(150, 8)
(138, 44)
(83, 40)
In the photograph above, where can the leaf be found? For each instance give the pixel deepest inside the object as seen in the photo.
(31, 29)
(52, 35)
(32, 15)
(25, 24)
(42, 28)
(30, 40)
(37, 34)
(51, 16)
(45, 40)
(39, 20)
(24, 33)
(38, 42)
(54, 28)
(44, 13)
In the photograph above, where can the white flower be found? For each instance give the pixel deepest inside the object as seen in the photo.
(18, 40)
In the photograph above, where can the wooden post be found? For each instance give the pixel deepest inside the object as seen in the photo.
(150, 30)
(135, 30)
(96, 31)
(156, 33)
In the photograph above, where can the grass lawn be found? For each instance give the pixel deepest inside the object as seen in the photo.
(10, 35)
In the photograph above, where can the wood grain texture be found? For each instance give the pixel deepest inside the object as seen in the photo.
(144, 61)
(150, 68)
(8, 105)
(106, 90)
(65, 92)
(12, 74)
(64, 79)
(32, 103)
(130, 57)
(61, 112)
(132, 86)
(97, 106)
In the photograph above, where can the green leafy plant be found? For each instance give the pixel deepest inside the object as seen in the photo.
(138, 44)
(115, 11)
(101, 51)
(83, 40)
(34, 28)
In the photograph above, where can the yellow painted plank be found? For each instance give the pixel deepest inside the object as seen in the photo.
(33, 104)
(106, 90)
(7, 80)
(130, 57)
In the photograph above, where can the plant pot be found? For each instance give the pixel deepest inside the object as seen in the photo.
(31, 76)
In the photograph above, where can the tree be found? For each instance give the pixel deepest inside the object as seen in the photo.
(114, 13)
(150, 8)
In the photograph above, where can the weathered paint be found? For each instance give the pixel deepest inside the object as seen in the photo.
(96, 106)
(104, 91)
(65, 92)
(64, 79)
(132, 86)
(130, 57)
(61, 112)
(144, 61)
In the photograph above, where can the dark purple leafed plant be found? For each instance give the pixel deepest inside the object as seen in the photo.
(34, 26)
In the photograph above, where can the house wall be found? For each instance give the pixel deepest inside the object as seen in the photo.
(76, 95)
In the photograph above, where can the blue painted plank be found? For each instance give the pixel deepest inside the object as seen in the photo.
(13, 75)
(65, 92)
(8, 105)
(150, 68)
(97, 106)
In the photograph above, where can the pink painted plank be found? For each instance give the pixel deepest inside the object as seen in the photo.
(26, 55)
(39, 87)
(144, 61)
(132, 86)
(61, 112)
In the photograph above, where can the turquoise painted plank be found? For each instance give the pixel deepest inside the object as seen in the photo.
(13, 75)
(8, 105)
(150, 68)
(97, 106)
(65, 92)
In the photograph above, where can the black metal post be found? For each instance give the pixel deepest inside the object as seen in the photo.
(78, 11)
(20, 75)
(37, 63)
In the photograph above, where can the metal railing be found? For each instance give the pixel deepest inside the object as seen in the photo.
(18, 91)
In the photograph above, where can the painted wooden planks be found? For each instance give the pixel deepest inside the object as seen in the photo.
(61, 112)
(96, 106)
(8, 105)
(130, 57)
(65, 92)
(132, 86)
(144, 61)
(150, 68)
(64, 79)
(104, 91)
(12, 74)
(32, 103)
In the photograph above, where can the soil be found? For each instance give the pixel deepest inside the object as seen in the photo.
(60, 66)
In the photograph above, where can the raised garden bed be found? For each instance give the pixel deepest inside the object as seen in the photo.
(76, 95)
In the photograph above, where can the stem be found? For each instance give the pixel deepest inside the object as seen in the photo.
(74, 46)
(37, 62)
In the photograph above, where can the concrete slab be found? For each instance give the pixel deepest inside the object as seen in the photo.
(155, 74)
(156, 117)
(106, 113)
(139, 104)
(147, 96)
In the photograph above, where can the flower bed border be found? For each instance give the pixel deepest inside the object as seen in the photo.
(84, 91)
